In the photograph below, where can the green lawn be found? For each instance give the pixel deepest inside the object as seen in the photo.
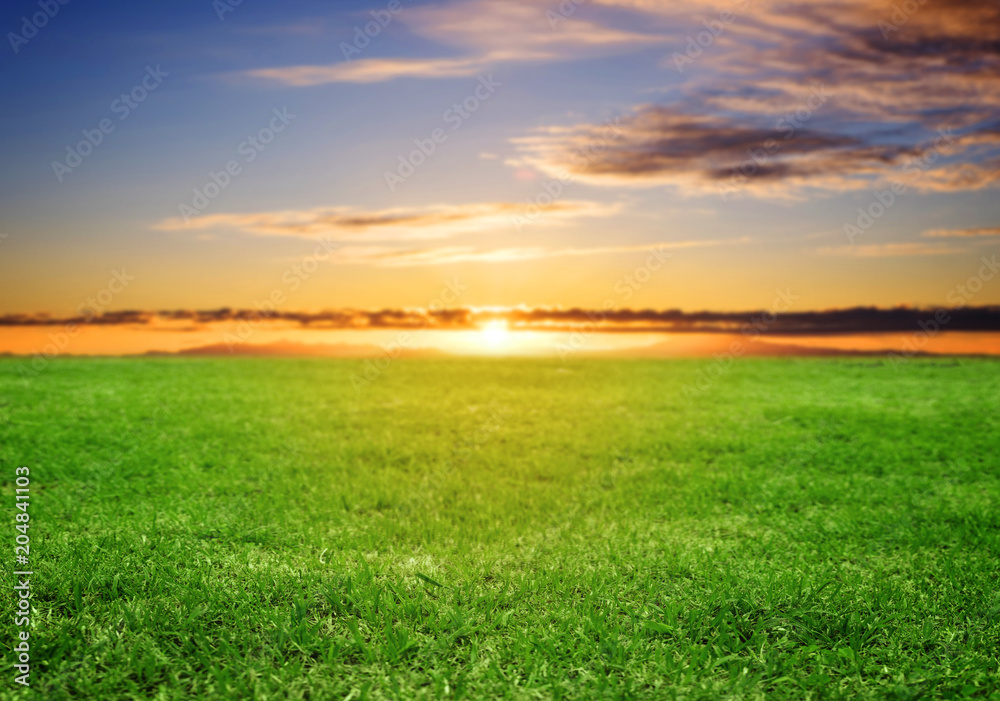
(230, 529)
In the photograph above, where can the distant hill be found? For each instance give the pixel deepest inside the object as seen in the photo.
(664, 350)
(752, 349)
(291, 349)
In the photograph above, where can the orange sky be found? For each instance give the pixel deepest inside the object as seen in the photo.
(102, 340)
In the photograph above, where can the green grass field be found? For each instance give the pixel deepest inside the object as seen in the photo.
(236, 529)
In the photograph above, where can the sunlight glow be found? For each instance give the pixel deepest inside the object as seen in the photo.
(495, 335)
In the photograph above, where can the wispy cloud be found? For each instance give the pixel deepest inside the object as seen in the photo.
(395, 224)
(516, 26)
(389, 257)
(490, 32)
(980, 232)
(374, 70)
(355, 230)
(891, 250)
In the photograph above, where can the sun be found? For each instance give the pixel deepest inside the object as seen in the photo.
(495, 334)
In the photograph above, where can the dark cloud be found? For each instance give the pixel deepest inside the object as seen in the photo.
(893, 75)
(660, 143)
(858, 320)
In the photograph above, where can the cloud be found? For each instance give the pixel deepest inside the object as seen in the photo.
(658, 145)
(490, 32)
(891, 250)
(513, 27)
(391, 229)
(702, 153)
(395, 224)
(893, 78)
(890, 81)
(374, 70)
(388, 257)
(857, 320)
(962, 233)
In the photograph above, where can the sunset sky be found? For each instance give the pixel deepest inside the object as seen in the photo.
(484, 155)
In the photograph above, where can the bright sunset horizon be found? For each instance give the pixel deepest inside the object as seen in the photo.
(322, 175)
